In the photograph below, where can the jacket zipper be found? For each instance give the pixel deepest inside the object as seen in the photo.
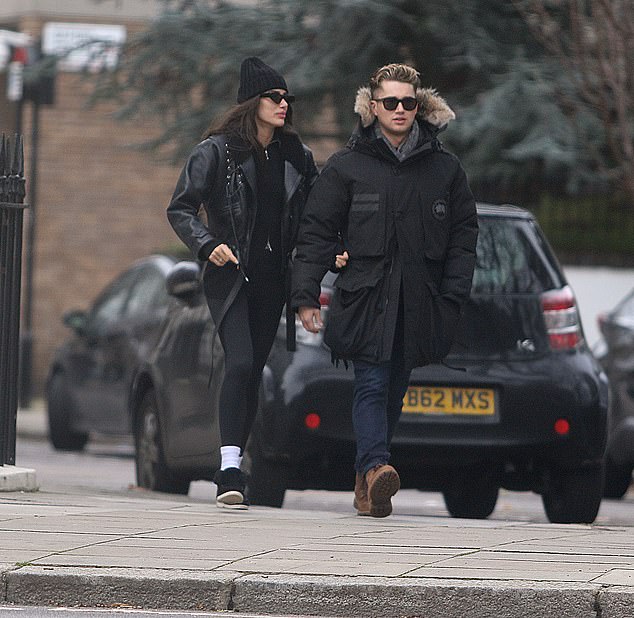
(241, 265)
(387, 302)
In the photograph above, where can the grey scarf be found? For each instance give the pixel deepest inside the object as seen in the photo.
(408, 144)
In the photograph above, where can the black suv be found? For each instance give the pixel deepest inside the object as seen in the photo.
(521, 403)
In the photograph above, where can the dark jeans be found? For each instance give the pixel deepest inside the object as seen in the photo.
(247, 333)
(377, 402)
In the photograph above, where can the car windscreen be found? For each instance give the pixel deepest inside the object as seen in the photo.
(513, 258)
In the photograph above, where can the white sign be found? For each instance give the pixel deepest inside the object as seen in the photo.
(83, 46)
(15, 81)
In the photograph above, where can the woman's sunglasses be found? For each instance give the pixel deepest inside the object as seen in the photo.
(277, 97)
(391, 103)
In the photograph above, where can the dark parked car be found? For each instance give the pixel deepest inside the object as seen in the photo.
(617, 328)
(521, 402)
(91, 374)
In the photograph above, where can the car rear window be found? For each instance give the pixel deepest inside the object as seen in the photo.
(513, 258)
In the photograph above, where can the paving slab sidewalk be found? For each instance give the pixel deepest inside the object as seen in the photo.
(143, 550)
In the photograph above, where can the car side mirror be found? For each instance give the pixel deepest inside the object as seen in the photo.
(183, 281)
(76, 320)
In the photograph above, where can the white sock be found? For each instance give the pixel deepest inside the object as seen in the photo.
(229, 457)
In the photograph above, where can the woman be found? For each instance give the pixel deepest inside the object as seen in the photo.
(252, 174)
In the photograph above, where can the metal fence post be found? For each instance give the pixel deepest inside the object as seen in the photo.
(12, 193)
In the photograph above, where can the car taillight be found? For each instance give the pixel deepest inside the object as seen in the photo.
(324, 298)
(562, 427)
(562, 319)
(312, 420)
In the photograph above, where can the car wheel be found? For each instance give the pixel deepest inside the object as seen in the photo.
(573, 496)
(59, 407)
(267, 479)
(471, 496)
(151, 469)
(617, 479)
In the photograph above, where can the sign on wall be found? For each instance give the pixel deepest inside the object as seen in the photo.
(83, 46)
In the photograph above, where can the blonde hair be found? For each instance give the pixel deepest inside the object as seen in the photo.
(396, 73)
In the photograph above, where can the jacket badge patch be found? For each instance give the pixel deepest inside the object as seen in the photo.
(439, 210)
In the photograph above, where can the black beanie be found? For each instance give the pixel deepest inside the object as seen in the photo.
(257, 77)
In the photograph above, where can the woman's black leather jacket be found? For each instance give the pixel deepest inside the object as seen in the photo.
(215, 165)
(203, 182)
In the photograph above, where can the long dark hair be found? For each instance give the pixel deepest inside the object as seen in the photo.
(240, 120)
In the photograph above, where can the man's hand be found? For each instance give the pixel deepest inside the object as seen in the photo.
(341, 260)
(221, 255)
(311, 319)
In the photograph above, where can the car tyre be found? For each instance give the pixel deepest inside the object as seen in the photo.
(60, 412)
(151, 470)
(617, 479)
(471, 496)
(573, 496)
(267, 479)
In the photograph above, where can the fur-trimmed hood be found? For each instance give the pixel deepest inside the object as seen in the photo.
(432, 107)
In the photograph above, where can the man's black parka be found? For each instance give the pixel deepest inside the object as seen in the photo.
(410, 228)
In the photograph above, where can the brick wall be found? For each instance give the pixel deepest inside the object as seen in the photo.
(101, 205)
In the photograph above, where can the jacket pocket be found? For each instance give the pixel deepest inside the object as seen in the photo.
(353, 311)
(366, 225)
(440, 318)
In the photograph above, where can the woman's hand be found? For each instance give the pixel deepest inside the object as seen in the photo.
(341, 260)
(221, 255)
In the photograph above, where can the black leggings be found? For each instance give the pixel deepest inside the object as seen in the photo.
(247, 333)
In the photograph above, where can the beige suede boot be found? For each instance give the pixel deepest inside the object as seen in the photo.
(383, 482)
(361, 502)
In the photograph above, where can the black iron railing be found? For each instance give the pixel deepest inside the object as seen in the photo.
(12, 191)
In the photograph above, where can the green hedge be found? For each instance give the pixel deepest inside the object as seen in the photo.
(593, 229)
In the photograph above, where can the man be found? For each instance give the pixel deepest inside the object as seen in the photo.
(403, 210)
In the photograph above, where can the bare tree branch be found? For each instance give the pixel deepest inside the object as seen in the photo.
(590, 39)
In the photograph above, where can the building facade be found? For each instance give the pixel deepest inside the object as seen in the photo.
(100, 201)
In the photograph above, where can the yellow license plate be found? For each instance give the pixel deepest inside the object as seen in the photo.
(442, 400)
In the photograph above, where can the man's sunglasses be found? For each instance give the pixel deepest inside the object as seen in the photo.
(391, 103)
(277, 97)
